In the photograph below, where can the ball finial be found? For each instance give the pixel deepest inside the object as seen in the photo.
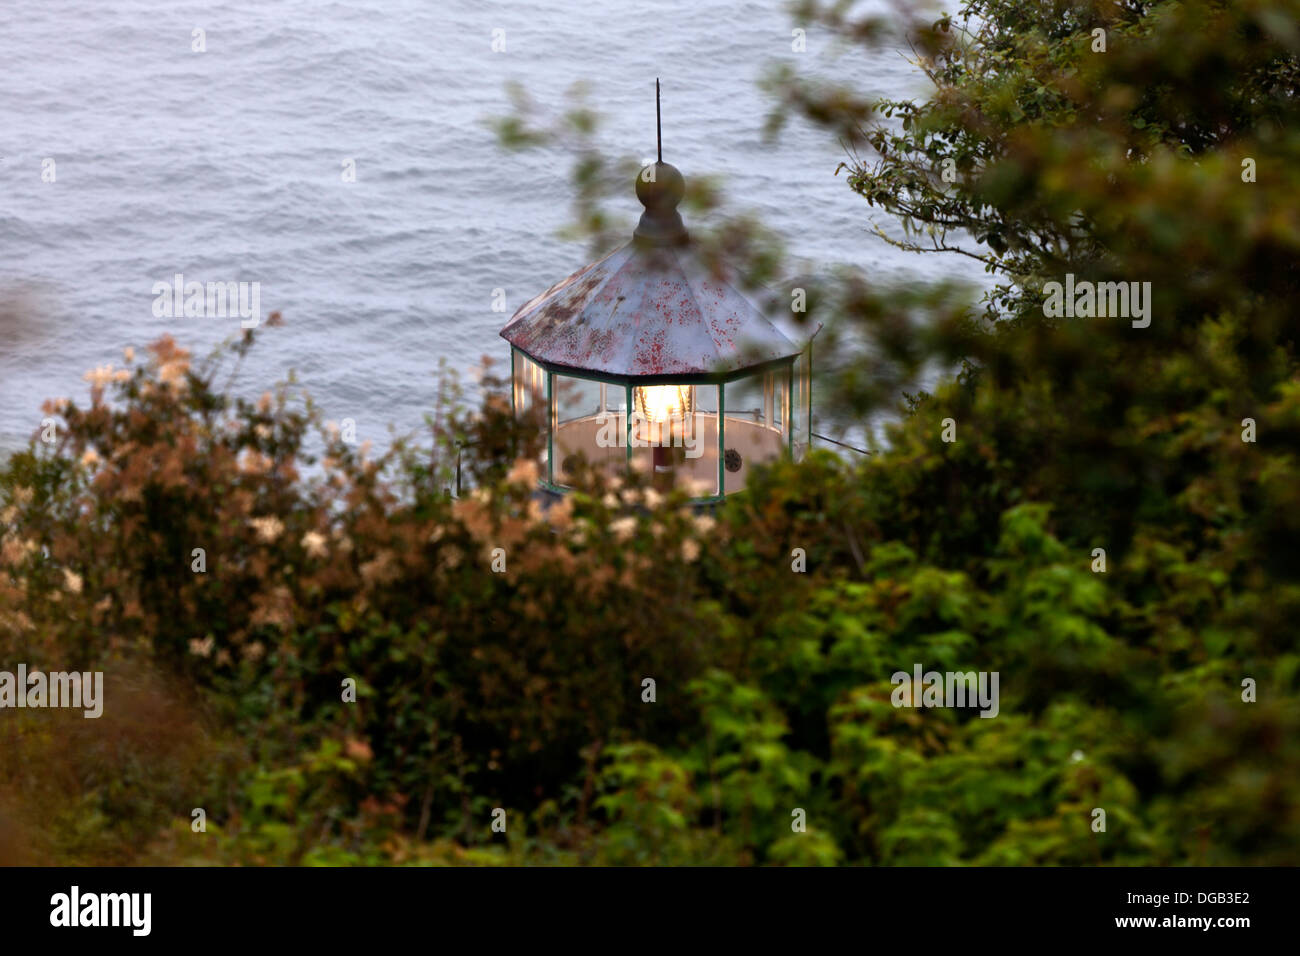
(660, 187)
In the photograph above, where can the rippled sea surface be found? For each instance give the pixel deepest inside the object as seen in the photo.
(226, 166)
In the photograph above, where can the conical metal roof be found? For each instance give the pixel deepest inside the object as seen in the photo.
(651, 307)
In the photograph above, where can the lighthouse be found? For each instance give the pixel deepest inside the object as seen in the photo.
(651, 360)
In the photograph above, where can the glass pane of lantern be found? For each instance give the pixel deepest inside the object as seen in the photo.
(612, 438)
(528, 380)
(750, 429)
(780, 379)
(802, 421)
(583, 428)
(778, 383)
(675, 438)
(615, 397)
(702, 459)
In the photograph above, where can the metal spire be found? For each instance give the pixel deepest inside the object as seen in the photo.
(659, 131)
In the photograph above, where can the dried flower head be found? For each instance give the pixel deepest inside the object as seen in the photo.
(313, 543)
(523, 472)
(268, 528)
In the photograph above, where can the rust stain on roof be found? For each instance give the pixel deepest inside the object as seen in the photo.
(650, 307)
(646, 310)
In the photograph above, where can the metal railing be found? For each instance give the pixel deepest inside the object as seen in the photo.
(860, 451)
(462, 445)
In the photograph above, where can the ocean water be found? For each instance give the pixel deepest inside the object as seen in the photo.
(226, 165)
